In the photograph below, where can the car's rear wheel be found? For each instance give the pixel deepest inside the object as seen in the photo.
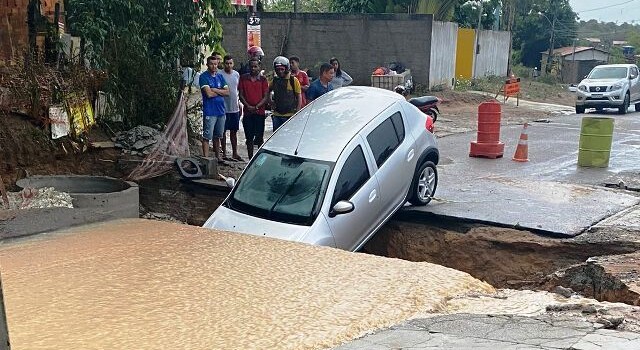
(579, 109)
(637, 107)
(625, 105)
(425, 182)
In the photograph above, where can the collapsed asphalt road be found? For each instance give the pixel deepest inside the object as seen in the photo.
(548, 194)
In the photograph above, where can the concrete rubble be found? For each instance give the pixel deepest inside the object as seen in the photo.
(138, 141)
(32, 198)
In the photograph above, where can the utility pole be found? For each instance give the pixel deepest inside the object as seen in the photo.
(551, 40)
(296, 6)
(511, 10)
(476, 49)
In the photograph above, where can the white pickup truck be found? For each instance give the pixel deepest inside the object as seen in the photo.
(609, 86)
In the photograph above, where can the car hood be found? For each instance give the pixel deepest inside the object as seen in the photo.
(230, 220)
(602, 81)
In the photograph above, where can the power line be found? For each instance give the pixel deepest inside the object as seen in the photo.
(606, 7)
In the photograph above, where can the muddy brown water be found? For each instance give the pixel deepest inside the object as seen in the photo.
(141, 284)
(503, 257)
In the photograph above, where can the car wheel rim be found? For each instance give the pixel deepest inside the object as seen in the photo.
(426, 183)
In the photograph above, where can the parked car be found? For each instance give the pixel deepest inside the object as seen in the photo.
(336, 171)
(609, 86)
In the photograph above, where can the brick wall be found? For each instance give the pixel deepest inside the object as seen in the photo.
(14, 31)
(361, 42)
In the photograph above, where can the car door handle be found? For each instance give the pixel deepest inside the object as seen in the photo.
(411, 154)
(373, 195)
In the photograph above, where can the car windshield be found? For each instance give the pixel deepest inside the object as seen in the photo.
(282, 188)
(608, 73)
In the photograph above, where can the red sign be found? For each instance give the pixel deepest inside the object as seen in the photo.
(243, 2)
(512, 87)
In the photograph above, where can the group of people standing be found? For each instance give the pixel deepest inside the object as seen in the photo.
(225, 91)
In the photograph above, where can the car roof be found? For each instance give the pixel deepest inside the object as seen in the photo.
(323, 128)
(626, 65)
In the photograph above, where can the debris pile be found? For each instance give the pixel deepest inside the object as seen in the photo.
(138, 141)
(46, 197)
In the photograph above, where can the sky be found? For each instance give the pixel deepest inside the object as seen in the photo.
(608, 10)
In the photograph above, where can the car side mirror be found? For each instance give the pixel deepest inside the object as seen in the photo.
(342, 207)
(231, 182)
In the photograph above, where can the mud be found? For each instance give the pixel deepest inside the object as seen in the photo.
(509, 258)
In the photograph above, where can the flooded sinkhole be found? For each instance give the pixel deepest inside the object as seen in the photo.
(503, 257)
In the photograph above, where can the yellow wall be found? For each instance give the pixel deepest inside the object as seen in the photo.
(464, 55)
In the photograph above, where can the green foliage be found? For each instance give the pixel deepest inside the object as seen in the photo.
(138, 43)
(533, 28)
(466, 13)
(318, 6)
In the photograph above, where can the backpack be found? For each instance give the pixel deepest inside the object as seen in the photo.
(285, 100)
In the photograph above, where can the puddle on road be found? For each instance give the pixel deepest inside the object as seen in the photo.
(140, 284)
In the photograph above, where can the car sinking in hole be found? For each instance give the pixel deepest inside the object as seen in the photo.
(335, 172)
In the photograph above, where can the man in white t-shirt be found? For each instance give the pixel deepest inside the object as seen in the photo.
(232, 109)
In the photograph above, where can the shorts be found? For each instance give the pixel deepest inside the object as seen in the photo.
(212, 127)
(278, 121)
(232, 121)
(253, 125)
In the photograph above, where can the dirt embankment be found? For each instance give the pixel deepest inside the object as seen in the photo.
(26, 149)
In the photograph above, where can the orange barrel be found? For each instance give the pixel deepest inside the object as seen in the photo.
(488, 144)
(489, 116)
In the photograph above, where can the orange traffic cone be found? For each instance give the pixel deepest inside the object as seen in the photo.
(522, 151)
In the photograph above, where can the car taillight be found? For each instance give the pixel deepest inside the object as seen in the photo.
(429, 124)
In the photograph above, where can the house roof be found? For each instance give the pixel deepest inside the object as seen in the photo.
(620, 42)
(566, 51)
(593, 40)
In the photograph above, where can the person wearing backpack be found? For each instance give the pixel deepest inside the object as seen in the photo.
(286, 99)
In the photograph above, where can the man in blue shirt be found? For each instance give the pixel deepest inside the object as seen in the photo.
(213, 87)
(322, 85)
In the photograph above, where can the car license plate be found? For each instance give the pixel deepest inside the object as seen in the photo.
(596, 95)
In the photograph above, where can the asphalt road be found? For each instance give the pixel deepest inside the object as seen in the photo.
(550, 193)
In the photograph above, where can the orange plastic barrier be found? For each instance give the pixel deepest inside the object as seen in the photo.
(488, 143)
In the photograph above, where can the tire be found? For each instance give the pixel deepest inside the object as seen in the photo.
(579, 109)
(433, 113)
(424, 184)
(637, 107)
(623, 109)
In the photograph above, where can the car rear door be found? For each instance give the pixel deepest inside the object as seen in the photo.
(353, 181)
(393, 150)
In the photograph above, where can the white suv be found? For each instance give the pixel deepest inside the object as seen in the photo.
(609, 86)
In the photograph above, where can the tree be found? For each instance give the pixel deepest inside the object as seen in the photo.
(536, 21)
(138, 44)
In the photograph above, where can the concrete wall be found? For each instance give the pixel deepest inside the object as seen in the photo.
(464, 53)
(361, 42)
(574, 72)
(493, 55)
(444, 38)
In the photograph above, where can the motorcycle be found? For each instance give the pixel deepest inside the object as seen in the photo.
(426, 104)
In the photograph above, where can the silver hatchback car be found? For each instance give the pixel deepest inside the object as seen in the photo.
(335, 172)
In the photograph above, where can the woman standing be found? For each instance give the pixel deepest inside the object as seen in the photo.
(341, 78)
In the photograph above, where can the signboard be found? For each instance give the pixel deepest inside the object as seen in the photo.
(243, 2)
(253, 31)
(511, 88)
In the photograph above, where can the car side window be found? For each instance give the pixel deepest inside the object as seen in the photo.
(353, 175)
(398, 125)
(386, 137)
(634, 72)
